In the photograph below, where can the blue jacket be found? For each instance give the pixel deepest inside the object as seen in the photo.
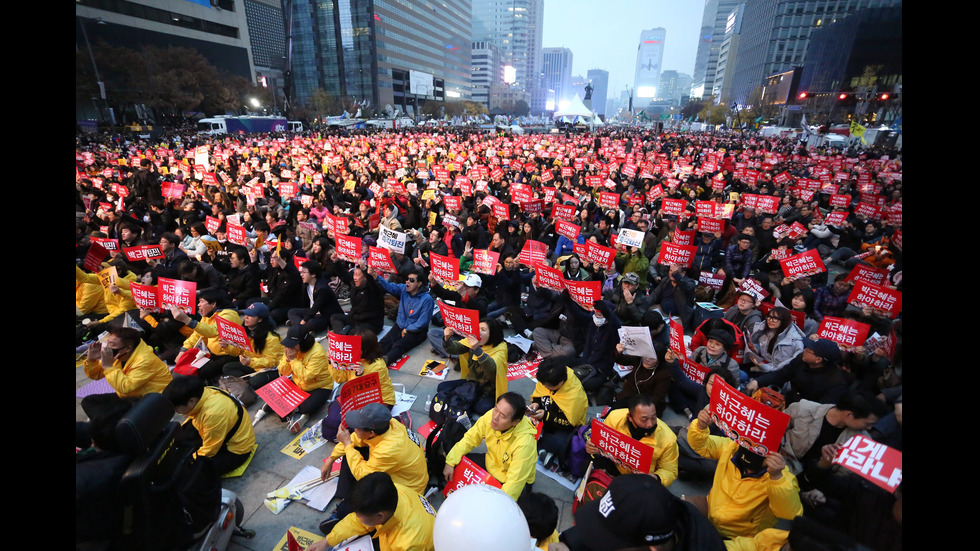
(414, 311)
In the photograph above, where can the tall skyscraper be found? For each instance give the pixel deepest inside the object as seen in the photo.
(487, 71)
(649, 57)
(600, 88)
(556, 69)
(515, 28)
(727, 56)
(776, 34)
(267, 36)
(397, 53)
(713, 24)
(673, 85)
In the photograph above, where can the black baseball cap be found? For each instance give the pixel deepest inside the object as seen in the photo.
(636, 510)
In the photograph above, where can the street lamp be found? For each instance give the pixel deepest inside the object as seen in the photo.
(95, 67)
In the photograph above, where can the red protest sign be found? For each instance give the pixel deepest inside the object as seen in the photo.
(693, 370)
(107, 244)
(584, 293)
(453, 202)
(603, 256)
(178, 293)
(212, 224)
(569, 230)
(683, 237)
(93, 258)
(549, 278)
(282, 395)
(348, 248)
(677, 345)
(843, 331)
(501, 210)
(345, 350)
(173, 190)
(358, 393)
(803, 264)
(379, 259)
(466, 473)
(835, 218)
(237, 234)
(672, 253)
(655, 193)
(522, 369)
(145, 296)
(142, 252)
(532, 253)
(608, 200)
(872, 461)
(754, 425)
(533, 206)
(876, 297)
(485, 261)
(875, 276)
(463, 320)
(444, 267)
(564, 212)
(233, 333)
(711, 225)
(674, 206)
(629, 451)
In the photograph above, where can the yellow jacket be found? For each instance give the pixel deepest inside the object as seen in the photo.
(310, 369)
(663, 441)
(207, 329)
(392, 452)
(379, 366)
(408, 529)
(496, 353)
(116, 303)
(511, 455)
(270, 356)
(89, 298)
(743, 506)
(213, 416)
(142, 373)
(571, 398)
(766, 540)
(553, 538)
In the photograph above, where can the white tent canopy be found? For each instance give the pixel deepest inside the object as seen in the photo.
(575, 109)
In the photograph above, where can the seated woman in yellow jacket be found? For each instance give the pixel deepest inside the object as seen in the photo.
(372, 361)
(306, 362)
(482, 359)
(266, 352)
(210, 305)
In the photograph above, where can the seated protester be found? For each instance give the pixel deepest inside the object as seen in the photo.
(749, 492)
(744, 314)
(813, 425)
(814, 374)
(204, 274)
(739, 258)
(218, 422)
(675, 295)
(89, 298)
(242, 277)
(601, 337)
(537, 310)
(650, 376)
(467, 295)
(511, 449)
(774, 342)
(541, 515)
(266, 350)
(630, 303)
(210, 305)
(633, 261)
(831, 300)
(507, 284)
(286, 290)
(724, 297)
(415, 307)
(639, 421)
(379, 443)
(637, 512)
(708, 253)
(98, 471)
(687, 396)
(306, 361)
(558, 401)
(372, 361)
(321, 301)
(117, 297)
(367, 305)
(713, 353)
(572, 268)
(398, 517)
(483, 359)
(735, 351)
(172, 256)
(801, 300)
(127, 363)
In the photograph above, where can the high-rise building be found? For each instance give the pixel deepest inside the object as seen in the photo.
(727, 56)
(556, 70)
(515, 28)
(649, 57)
(487, 71)
(383, 52)
(709, 45)
(673, 85)
(267, 36)
(600, 87)
(776, 35)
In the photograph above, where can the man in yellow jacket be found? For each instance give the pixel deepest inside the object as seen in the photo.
(639, 421)
(379, 444)
(127, 363)
(560, 402)
(511, 448)
(220, 421)
(749, 493)
(210, 305)
(401, 519)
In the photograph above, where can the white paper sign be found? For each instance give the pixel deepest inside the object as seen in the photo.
(630, 238)
(392, 240)
(636, 342)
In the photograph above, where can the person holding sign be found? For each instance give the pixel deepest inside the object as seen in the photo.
(372, 361)
(127, 363)
(415, 306)
(306, 361)
(367, 305)
(749, 492)
(321, 299)
(372, 442)
(675, 295)
(210, 305)
(482, 359)
(401, 519)
(266, 350)
(815, 374)
(640, 422)
(560, 402)
(511, 449)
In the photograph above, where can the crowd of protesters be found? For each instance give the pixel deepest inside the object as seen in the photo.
(731, 205)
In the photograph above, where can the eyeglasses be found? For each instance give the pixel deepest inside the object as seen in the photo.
(410, 280)
(773, 318)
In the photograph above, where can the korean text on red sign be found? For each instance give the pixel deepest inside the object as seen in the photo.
(754, 425)
(630, 452)
(873, 461)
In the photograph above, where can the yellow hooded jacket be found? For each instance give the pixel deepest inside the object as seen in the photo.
(270, 356)
(142, 373)
(392, 452)
(408, 529)
(310, 369)
(571, 398)
(213, 416)
(207, 329)
(511, 455)
(341, 376)
(663, 441)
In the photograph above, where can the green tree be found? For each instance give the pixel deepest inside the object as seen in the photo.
(521, 108)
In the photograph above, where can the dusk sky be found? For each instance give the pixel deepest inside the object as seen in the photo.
(605, 34)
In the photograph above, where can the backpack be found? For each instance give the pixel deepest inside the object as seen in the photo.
(593, 487)
(452, 399)
(578, 458)
(437, 445)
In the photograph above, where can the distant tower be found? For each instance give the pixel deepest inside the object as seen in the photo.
(649, 57)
